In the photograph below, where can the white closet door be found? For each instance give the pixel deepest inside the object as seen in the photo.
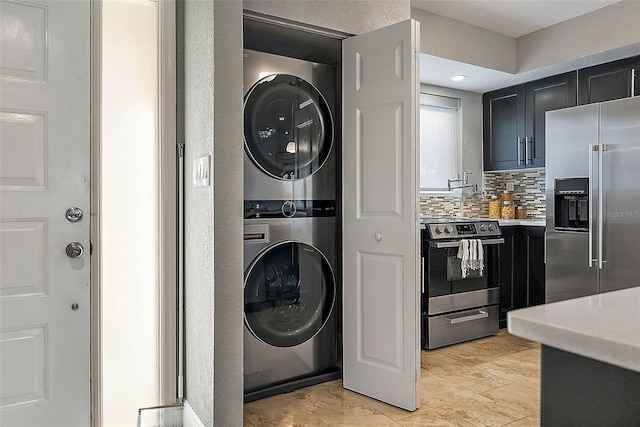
(380, 208)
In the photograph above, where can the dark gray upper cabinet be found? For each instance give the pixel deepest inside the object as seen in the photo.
(514, 120)
(551, 93)
(609, 81)
(503, 127)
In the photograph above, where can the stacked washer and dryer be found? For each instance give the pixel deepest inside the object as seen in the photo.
(290, 292)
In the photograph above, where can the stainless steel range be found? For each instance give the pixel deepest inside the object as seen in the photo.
(458, 307)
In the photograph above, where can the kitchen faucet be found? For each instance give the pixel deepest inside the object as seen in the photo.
(464, 181)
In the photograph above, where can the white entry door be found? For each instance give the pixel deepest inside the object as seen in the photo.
(380, 208)
(44, 171)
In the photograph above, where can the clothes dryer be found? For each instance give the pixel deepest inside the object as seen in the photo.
(290, 325)
(289, 128)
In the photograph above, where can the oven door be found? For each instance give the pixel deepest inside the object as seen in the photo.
(443, 275)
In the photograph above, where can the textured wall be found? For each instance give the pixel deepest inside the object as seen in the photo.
(354, 17)
(605, 29)
(458, 41)
(199, 226)
(228, 214)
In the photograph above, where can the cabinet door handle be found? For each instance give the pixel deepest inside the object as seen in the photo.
(519, 151)
(527, 159)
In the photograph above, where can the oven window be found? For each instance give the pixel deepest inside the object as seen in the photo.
(454, 270)
(474, 280)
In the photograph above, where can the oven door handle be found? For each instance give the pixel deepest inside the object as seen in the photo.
(440, 245)
(481, 314)
(422, 278)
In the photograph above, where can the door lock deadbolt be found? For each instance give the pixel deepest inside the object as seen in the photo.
(74, 214)
(74, 250)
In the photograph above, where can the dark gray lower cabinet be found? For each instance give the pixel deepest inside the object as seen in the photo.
(522, 269)
(579, 391)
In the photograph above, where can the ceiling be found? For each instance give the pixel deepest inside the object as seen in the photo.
(513, 18)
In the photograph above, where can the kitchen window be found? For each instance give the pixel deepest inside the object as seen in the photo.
(439, 141)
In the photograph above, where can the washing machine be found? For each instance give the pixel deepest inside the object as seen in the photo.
(290, 292)
(289, 128)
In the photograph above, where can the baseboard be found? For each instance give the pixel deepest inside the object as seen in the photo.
(189, 417)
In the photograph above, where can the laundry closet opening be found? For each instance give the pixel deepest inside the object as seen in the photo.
(292, 192)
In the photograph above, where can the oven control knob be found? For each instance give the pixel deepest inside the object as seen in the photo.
(438, 229)
(492, 227)
(448, 229)
(483, 227)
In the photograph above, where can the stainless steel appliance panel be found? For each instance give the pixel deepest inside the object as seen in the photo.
(321, 184)
(569, 134)
(460, 301)
(457, 308)
(462, 326)
(267, 365)
(620, 136)
(567, 272)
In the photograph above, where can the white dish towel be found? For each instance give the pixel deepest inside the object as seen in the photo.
(471, 256)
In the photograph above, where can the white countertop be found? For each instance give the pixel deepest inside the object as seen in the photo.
(529, 222)
(604, 327)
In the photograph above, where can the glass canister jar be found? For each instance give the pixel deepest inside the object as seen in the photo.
(507, 196)
(494, 207)
(521, 212)
(508, 210)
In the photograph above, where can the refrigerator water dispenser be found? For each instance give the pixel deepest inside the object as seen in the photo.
(571, 204)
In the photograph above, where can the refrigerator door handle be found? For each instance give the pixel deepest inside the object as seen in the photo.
(603, 148)
(592, 148)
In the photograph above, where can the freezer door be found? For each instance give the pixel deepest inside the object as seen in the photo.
(569, 133)
(620, 136)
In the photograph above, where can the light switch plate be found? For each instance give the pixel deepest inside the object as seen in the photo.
(509, 186)
(202, 171)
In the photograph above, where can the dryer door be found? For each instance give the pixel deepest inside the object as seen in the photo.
(289, 293)
(288, 128)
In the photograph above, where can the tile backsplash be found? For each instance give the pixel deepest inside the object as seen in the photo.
(528, 191)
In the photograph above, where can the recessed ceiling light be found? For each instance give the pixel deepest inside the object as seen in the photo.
(458, 78)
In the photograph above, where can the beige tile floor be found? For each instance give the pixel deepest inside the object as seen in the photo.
(493, 381)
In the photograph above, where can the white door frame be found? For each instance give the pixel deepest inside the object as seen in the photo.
(167, 228)
(95, 252)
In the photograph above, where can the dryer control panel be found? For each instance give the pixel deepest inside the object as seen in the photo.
(268, 209)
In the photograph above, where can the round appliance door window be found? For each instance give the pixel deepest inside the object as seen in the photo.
(288, 129)
(289, 293)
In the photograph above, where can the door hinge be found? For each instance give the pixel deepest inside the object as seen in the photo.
(180, 148)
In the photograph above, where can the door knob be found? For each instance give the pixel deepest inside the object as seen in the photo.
(378, 236)
(74, 250)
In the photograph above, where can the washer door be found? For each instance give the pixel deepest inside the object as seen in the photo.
(288, 128)
(289, 293)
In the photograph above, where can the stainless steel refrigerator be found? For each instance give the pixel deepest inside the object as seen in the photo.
(593, 199)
